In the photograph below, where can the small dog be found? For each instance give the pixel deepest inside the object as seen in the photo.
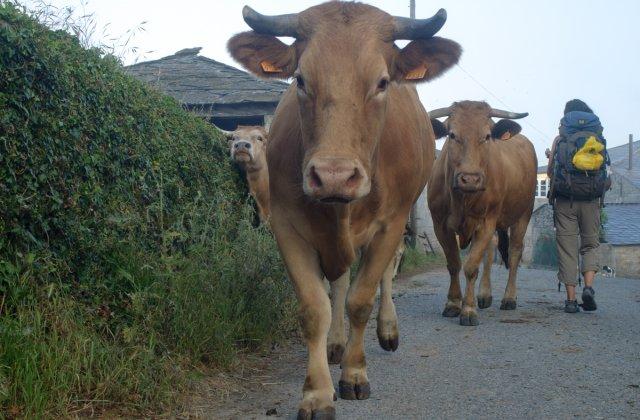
(608, 271)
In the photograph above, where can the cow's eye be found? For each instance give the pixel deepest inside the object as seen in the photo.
(260, 138)
(452, 136)
(486, 138)
(300, 82)
(383, 84)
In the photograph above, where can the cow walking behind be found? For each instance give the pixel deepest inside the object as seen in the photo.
(484, 180)
(350, 150)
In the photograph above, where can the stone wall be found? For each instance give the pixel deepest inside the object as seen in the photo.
(539, 232)
(627, 261)
(424, 224)
(606, 255)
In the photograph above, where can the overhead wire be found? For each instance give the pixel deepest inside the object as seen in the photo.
(497, 98)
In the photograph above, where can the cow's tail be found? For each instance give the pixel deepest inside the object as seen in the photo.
(503, 246)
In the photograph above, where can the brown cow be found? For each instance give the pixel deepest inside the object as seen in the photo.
(248, 146)
(248, 149)
(483, 180)
(351, 148)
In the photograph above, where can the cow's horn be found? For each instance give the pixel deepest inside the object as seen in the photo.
(440, 112)
(227, 134)
(279, 25)
(406, 28)
(498, 113)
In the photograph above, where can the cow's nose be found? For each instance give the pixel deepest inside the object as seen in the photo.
(335, 180)
(242, 145)
(470, 181)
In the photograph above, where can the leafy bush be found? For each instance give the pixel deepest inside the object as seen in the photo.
(126, 249)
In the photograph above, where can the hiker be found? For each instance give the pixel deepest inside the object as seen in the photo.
(578, 170)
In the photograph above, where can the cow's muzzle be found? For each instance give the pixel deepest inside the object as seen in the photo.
(241, 151)
(335, 180)
(469, 182)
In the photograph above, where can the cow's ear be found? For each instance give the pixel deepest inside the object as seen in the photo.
(264, 134)
(505, 129)
(439, 128)
(263, 55)
(425, 59)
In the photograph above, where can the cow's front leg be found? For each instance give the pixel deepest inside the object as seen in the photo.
(315, 317)
(447, 239)
(469, 315)
(337, 336)
(387, 329)
(354, 383)
(484, 295)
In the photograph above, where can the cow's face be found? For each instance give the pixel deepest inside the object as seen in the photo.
(470, 131)
(344, 61)
(248, 147)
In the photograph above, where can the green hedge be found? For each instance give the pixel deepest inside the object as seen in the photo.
(126, 249)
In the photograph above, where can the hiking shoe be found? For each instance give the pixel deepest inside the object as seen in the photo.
(571, 306)
(588, 299)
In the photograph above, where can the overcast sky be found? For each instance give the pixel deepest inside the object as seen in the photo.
(518, 55)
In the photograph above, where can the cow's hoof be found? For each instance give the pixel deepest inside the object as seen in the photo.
(387, 332)
(485, 302)
(451, 311)
(328, 413)
(334, 353)
(469, 319)
(508, 305)
(349, 391)
(388, 343)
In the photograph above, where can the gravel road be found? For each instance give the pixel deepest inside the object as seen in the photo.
(534, 362)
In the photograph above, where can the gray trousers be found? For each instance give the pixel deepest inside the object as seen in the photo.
(577, 220)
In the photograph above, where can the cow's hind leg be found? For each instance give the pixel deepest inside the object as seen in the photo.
(447, 239)
(469, 315)
(516, 238)
(387, 329)
(315, 317)
(337, 336)
(484, 296)
(354, 383)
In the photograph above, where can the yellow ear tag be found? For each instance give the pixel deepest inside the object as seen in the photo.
(505, 136)
(268, 67)
(417, 73)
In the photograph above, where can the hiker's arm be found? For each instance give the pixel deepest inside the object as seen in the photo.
(550, 157)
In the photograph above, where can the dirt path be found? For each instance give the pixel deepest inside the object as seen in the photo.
(532, 362)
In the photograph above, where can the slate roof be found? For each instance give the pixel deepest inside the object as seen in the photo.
(620, 162)
(196, 80)
(623, 224)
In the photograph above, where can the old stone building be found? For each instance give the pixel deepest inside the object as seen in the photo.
(222, 94)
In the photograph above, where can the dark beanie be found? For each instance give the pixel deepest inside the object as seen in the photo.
(576, 105)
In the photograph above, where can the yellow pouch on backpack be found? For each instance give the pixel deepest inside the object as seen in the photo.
(589, 157)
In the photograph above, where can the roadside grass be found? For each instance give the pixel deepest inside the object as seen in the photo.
(415, 261)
